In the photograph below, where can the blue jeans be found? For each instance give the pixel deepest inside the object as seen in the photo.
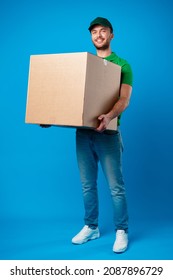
(106, 147)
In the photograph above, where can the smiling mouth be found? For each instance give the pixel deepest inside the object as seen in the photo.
(99, 41)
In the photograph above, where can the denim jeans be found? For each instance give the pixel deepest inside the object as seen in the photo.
(106, 147)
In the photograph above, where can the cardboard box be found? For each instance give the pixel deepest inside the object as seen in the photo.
(71, 89)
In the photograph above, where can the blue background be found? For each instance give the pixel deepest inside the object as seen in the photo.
(41, 204)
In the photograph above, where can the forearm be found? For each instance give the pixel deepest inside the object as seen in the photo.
(118, 108)
(122, 103)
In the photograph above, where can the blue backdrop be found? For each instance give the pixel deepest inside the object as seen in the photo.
(39, 178)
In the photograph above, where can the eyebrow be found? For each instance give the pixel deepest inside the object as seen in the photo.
(94, 30)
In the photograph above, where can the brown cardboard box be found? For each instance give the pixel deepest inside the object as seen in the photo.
(71, 89)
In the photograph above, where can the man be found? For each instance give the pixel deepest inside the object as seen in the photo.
(105, 146)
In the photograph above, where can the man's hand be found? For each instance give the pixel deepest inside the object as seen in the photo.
(45, 125)
(118, 108)
(104, 121)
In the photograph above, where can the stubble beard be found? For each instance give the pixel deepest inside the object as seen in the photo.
(103, 48)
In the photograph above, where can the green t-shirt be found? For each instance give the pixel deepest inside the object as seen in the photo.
(126, 71)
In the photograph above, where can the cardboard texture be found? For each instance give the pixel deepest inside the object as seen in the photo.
(71, 89)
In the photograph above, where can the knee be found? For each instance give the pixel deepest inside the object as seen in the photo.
(117, 189)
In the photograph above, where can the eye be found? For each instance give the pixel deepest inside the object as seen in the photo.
(93, 32)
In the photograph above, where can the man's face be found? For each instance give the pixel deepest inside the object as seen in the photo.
(101, 37)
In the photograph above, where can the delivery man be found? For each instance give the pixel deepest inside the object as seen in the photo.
(104, 146)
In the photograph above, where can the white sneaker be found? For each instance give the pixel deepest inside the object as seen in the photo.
(85, 235)
(121, 241)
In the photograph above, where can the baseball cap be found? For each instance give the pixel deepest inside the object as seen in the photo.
(100, 21)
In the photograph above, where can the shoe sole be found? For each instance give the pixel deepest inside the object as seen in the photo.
(120, 251)
(92, 238)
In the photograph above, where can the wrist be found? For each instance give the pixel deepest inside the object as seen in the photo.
(110, 115)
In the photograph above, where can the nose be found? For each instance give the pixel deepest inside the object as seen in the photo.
(99, 35)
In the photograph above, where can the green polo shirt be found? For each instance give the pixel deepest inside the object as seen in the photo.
(126, 71)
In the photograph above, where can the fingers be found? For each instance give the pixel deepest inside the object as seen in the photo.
(100, 128)
(101, 117)
(102, 125)
(45, 125)
(104, 121)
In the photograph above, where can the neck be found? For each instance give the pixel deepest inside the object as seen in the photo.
(104, 53)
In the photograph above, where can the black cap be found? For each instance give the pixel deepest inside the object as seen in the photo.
(100, 21)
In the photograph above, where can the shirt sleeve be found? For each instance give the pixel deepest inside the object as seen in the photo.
(126, 74)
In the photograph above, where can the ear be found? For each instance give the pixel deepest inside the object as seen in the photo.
(112, 36)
